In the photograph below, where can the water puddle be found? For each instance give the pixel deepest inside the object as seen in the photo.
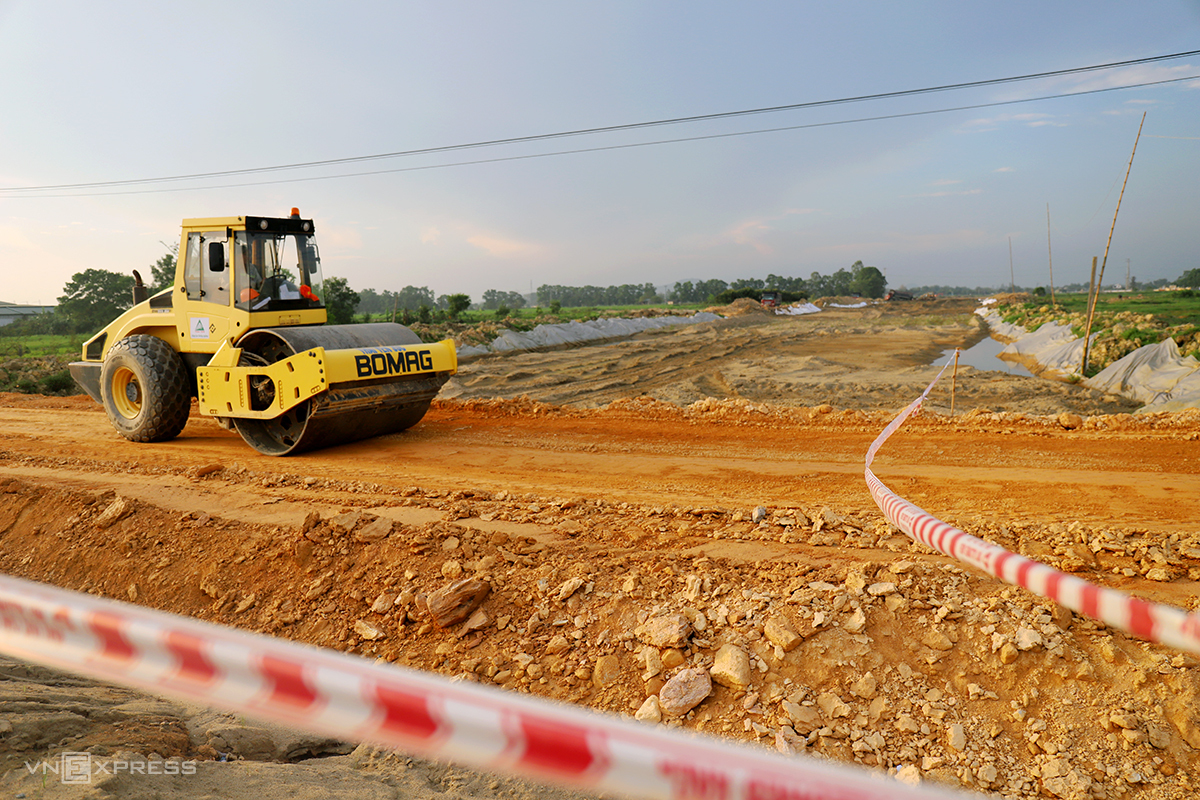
(984, 355)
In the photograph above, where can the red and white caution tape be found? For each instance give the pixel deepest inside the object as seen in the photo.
(1153, 622)
(353, 699)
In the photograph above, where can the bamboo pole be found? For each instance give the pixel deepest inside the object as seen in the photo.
(1087, 333)
(1050, 254)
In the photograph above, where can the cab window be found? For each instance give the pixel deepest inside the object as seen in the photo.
(276, 272)
(200, 280)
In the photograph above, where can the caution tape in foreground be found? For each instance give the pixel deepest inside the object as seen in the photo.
(351, 698)
(1153, 622)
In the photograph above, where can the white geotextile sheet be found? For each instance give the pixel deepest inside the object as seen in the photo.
(1156, 375)
(567, 333)
(802, 308)
(1053, 346)
(998, 327)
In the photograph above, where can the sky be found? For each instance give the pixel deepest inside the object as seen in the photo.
(979, 186)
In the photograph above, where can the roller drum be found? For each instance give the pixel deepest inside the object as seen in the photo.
(348, 411)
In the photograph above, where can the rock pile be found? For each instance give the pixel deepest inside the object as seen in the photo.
(807, 629)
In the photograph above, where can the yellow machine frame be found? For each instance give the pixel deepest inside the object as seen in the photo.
(224, 387)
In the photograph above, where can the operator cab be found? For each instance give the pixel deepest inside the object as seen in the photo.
(276, 266)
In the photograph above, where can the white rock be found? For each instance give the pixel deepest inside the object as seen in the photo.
(665, 630)
(369, 630)
(856, 621)
(865, 687)
(832, 706)
(731, 667)
(956, 737)
(684, 692)
(649, 711)
(569, 587)
(1028, 638)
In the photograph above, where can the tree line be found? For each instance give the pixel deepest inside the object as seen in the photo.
(94, 297)
(859, 280)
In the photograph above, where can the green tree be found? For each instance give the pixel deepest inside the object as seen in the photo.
(340, 301)
(494, 298)
(866, 281)
(1191, 278)
(162, 272)
(456, 304)
(95, 297)
(414, 297)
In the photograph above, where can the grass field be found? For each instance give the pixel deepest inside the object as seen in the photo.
(41, 346)
(1171, 308)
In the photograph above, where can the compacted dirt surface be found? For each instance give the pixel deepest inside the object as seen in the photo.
(706, 479)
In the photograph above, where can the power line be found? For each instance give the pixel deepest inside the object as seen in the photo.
(630, 145)
(613, 128)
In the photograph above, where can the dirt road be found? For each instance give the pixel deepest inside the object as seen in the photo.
(716, 470)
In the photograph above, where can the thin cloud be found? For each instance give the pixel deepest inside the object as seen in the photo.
(500, 247)
(1125, 76)
(751, 232)
(943, 194)
(1033, 120)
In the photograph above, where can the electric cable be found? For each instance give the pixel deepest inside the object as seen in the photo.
(15, 191)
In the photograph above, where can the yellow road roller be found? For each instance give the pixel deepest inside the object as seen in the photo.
(243, 331)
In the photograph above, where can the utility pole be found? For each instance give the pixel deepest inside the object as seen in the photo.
(1050, 255)
(1012, 279)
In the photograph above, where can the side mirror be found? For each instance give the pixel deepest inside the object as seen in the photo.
(216, 256)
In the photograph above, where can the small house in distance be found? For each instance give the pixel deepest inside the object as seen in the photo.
(11, 312)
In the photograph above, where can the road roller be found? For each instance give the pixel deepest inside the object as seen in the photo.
(243, 331)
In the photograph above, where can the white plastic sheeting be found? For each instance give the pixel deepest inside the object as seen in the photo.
(799, 308)
(1156, 375)
(1052, 346)
(568, 333)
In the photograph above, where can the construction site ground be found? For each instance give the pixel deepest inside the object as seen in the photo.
(713, 471)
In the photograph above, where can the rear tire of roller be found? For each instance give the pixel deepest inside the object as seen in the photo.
(145, 389)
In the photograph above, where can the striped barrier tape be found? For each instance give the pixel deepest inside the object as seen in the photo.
(1153, 622)
(353, 699)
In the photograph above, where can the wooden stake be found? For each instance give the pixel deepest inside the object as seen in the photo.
(1050, 255)
(1100, 280)
(954, 382)
(1091, 306)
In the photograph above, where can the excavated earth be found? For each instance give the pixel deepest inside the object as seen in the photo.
(711, 473)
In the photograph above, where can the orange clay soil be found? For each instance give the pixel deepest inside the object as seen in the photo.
(716, 472)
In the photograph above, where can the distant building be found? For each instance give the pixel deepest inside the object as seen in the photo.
(11, 312)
